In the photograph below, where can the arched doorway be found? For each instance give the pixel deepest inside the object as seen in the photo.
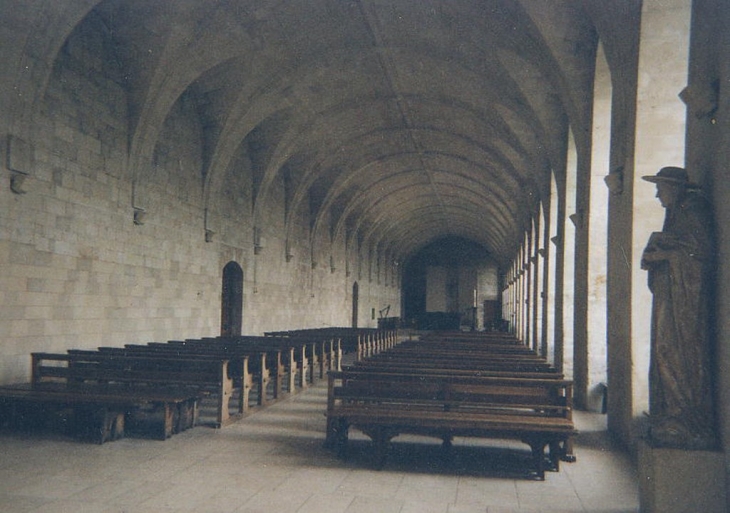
(355, 303)
(232, 300)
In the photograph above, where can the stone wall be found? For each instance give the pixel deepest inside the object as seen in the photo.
(78, 272)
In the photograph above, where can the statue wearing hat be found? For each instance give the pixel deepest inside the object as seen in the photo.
(680, 262)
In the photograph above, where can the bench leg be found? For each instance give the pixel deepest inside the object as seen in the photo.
(158, 420)
(112, 426)
(341, 428)
(98, 424)
(381, 437)
(568, 455)
(278, 377)
(381, 440)
(323, 364)
(169, 421)
(278, 381)
(556, 453)
(245, 386)
(196, 412)
(292, 385)
(263, 386)
(224, 397)
(447, 443)
(243, 398)
(313, 368)
(188, 415)
(538, 457)
(303, 371)
(333, 432)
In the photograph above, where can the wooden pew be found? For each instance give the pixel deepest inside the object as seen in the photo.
(430, 361)
(301, 358)
(468, 336)
(535, 411)
(95, 372)
(497, 371)
(486, 345)
(287, 359)
(352, 340)
(326, 352)
(238, 370)
(477, 355)
(102, 408)
(99, 414)
(264, 366)
(484, 364)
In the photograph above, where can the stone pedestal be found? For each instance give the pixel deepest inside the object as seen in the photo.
(680, 481)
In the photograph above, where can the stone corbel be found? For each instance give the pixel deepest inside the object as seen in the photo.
(615, 181)
(138, 216)
(576, 219)
(18, 182)
(19, 160)
(701, 98)
(258, 241)
(208, 226)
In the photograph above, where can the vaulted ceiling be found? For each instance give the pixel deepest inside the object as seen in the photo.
(398, 122)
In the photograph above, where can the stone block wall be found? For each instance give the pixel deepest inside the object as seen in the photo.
(77, 272)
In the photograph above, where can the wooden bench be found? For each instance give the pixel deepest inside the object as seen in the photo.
(537, 412)
(486, 346)
(495, 372)
(469, 336)
(301, 356)
(326, 352)
(483, 365)
(283, 360)
(481, 356)
(99, 414)
(313, 354)
(359, 341)
(238, 368)
(246, 367)
(91, 372)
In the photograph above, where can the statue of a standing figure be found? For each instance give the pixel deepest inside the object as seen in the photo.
(680, 261)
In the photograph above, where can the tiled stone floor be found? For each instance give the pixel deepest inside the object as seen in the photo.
(273, 461)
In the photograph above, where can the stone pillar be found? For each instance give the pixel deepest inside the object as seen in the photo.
(569, 246)
(708, 157)
(536, 283)
(660, 141)
(597, 234)
(622, 52)
(551, 270)
(557, 216)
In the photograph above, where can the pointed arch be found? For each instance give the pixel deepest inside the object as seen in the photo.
(232, 300)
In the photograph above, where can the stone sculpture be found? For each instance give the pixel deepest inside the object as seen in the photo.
(680, 262)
